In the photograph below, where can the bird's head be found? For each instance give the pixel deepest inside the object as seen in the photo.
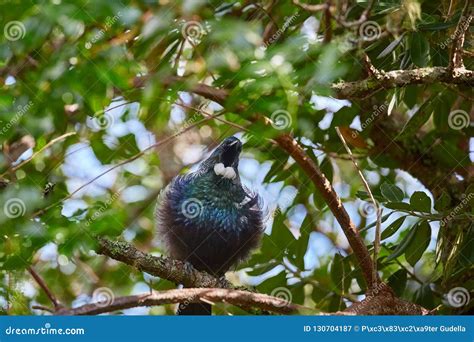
(224, 161)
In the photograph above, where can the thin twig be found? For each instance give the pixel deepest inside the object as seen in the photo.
(47, 291)
(126, 161)
(377, 207)
(310, 7)
(49, 144)
(456, 60)
(288, 144)
(41, 307)
(362, 19)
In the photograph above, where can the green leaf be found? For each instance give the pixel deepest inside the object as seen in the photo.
(420, 201)
(398, 282)
(281, 235)
(392, 192)
(443, 201)
(373, 224)
(270, 284)
(397, 205)
(327, 169)
(393, 228)
(419, 243)
(424, 296)
(417, 120)
(302, 242)
(419, 49)
(337, 271)
(403, 245)
(391, 47)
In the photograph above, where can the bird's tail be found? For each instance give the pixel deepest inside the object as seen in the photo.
(194, 309)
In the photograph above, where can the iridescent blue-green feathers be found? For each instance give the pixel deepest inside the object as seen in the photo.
(207, 217)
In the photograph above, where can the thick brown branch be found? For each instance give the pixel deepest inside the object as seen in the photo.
(402, 78)
(349, 90)
(382, 301)
(173, 270)
(192, 295)
(292, 147)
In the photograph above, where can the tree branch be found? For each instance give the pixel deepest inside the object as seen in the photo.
(209, 92)
(456, 60)
(291, 146)
(174, 270)
(382, 301)
(310, 7)
(402, 78)
(45, 288)
(188, 295)
(372, 198)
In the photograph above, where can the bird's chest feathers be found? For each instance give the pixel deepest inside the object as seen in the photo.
(221, 203)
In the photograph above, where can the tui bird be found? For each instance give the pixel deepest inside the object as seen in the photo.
(207, 218)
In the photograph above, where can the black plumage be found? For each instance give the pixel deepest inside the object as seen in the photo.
(208, 218)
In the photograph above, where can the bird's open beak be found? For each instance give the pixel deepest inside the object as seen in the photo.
(231, 152)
